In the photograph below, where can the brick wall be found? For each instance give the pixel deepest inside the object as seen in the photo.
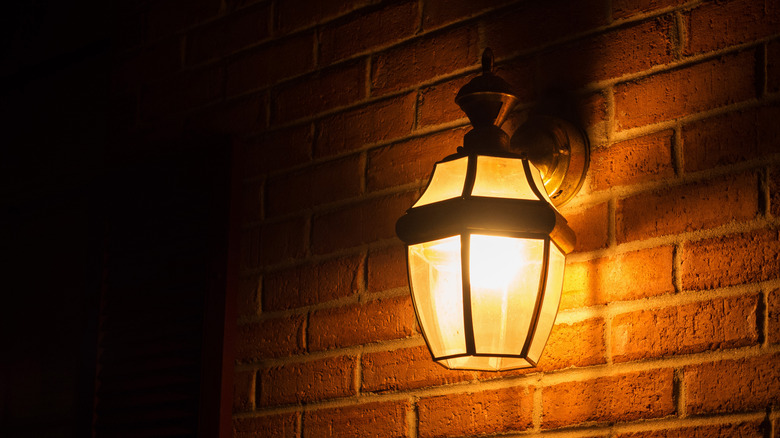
(670, 317)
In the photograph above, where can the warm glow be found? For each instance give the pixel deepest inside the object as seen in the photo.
(502, 178)
(434, 269)
(446, 183)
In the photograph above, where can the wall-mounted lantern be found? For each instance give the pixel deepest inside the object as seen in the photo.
(486, 245)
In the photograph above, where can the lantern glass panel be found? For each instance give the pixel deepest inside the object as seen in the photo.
(505, 273)
(446, 183)
(437, 290)
(550, 302)
(499, 177)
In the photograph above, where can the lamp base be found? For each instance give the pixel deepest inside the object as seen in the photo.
(559, 150)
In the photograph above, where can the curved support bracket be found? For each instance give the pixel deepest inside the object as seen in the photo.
(559, 150)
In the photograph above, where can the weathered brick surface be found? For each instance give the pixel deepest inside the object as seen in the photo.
(301, 14)
(688, 207)
(267, 426)
(531, 24)
(269, 338)
(323, 90)
(733, 385)
(627, 8)
(410, 161)
(361, 223)
(732, 259)
(380, 121)
(612, 54)
(229, 34)
(283, 240)
(436, 103)
(635, 161)
(439, 12)
(248, 296)
(406, 368)
(278, 150)
(357, 34)
(312, 283)
(578, 344)
(315, 185)
(730, 138)
(619, 278)
(625, 397)
(307, 381)
(496, 411)
(370, 420)
(252, 69)
(689, 328)
(717, 25)
(773, 185)
(423, 59)
(244, 390)
(590, 226)
(743, 430)
(773, 316)
(243, 115)
(773, 66)
(688, 90)
(362, 323)
(387, 269)
(252, 201)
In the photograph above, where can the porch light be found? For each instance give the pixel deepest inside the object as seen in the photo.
(486, 245)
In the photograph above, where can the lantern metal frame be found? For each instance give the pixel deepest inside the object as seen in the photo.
(554, 147)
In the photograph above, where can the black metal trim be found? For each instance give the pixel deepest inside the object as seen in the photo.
(539, 298)
(465, 268)
(414, 303)
(471, 176)
(531, 183)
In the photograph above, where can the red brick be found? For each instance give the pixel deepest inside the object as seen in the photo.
(590, 226)
(609, 55)
(248, 297)
(359, 33)
(423, 59)
(773, 316)
(676, 93)
(742, 430)
(252, 201)
(625, 397)
(773, 66)
(496, 411)
(436, 104)
(387, 269)
(410, 161)
(312, 283)
(285, 240)
(267, 426)
(578, 344)
(249, 249)
(308, 381)
(407, 368)
(592, 111)
(186, 90)
(731, 138)
(150, 63)
(296, 15)
(323, 90)
(358, 224)
(380, 121)
(625, 277)
(733, 385)
(237, 116)
(229, 34)
(773, 185)
(269, 338)
(532, 24)
(716, 25)
(439, 12)
(690, 328)
(627, 8)
(362, 323)
(243, 391)
(647, 158)
(689, 207)
(170, 16)
(267, 64)
(278, 150)
(730, 260)
(370, 420)
(316, 185)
